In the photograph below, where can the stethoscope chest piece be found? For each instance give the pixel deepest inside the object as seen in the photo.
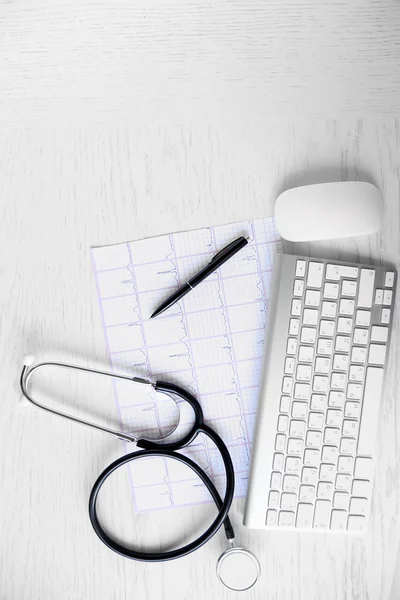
(238, 569)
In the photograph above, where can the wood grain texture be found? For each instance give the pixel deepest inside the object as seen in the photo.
(101, 61)
(63, 191)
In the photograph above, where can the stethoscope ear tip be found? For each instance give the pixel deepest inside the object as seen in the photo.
(28, 360)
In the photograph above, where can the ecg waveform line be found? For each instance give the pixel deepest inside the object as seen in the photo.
(210, 343)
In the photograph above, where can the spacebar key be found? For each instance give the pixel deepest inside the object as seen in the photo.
(370, 411)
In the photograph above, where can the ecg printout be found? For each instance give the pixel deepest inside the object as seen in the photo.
(210, 343)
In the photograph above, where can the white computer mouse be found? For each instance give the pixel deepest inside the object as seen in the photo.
(328, 211)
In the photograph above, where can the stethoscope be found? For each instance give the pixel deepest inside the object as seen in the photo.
(237, 568)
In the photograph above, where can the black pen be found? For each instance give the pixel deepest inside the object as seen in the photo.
(218, 260)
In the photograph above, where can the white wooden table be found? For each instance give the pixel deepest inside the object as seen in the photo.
(83, 163)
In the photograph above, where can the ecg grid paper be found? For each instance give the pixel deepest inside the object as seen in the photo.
(210, 343)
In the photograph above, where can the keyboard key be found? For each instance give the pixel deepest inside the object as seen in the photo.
(389, 279)
(308, 335)
(379, 334)
(331, 291)
(338, 381)
(283, 421)
(310, 316)
(290, 483)
(338, 520)
(354, 391)
(347, 446)
(276, 479)
(298, 287)
(356, 373)
(312, 298)
(358, 506)
(345, 464)
(345, 325)
(377, 354)
(277, 462)
(297, 428)
(378, 296)
(293, 465)
(320, 383)
(286, 519)
(363, 317)
(322, 514)
(346, 307)
(324, 346)
(358, 355)
(312, 458)
(326, 328)
(332, 436)
(330, 454)
(304, 515)
(363, 468)
(350, 428)
(343, 482)
(336, 399)
(285, 404)
(327, 472)
(309, 475)
(300, 268)
(325, 490)
(287, 385)
(356, 523)
(349, 288)
(387, 297)
(291, 346)
(315, 273)
(360, 336)
(329, 309)
(361, 488)
(352, 409)
(318, 402)
(296, 307)
(341, 500)
(303, 373)
(290, 364)
(335, 272)
(322, 365)
(314, 439)
(301, 391)
(288, 500)
(273, 499)
(271, 517)
(316, 420)
(299, 410)
(366, 288)
(385, 315)
(342, 343)
(306, 493)
(294, 447)
(306, 354)
(334, 417)
(294, 326)
(340, 362)
(280, 442)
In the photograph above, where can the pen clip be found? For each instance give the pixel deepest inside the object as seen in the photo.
(227, 248)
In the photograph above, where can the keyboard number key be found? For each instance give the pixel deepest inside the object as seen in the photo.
(293, 465)
(290, 483)
(309, 475)
(306, 493)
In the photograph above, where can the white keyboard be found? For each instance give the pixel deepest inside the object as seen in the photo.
(327, 341)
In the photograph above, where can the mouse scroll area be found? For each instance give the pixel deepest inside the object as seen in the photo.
(329, 211)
